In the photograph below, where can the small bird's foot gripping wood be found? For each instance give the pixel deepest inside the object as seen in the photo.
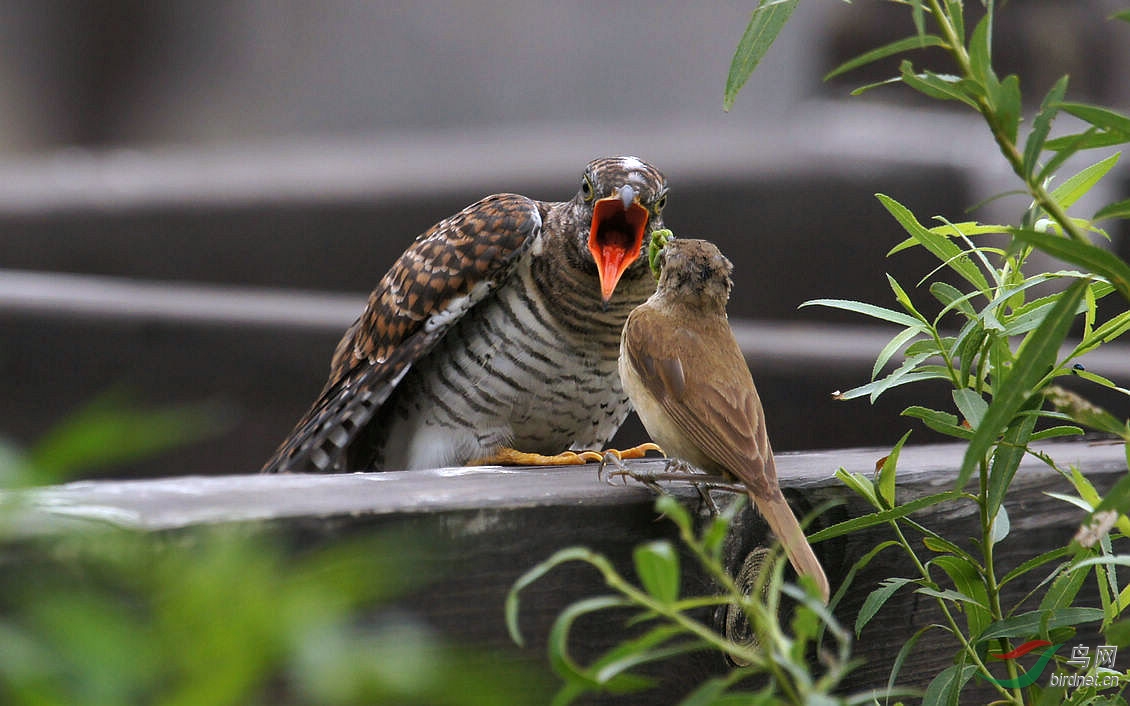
(679, 471)
(615, 458)
(676, 470)
(512, 457)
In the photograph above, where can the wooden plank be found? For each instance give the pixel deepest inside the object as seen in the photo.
(488, 525)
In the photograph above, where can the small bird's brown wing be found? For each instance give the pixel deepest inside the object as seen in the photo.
(697, 373)
(444, 273)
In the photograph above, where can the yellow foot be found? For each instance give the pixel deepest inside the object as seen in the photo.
(615, 458)
(627, 454)
(512, 457)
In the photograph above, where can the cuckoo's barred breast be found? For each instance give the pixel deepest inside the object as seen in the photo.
(553, 387)
(498, 327)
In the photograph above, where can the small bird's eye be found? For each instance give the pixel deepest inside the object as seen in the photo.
(661, 203)
(586, 189)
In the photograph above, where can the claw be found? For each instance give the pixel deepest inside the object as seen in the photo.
(613, 458)
(637, 451)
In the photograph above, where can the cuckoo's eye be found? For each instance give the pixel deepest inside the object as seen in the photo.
(661, 203)
(586, 189)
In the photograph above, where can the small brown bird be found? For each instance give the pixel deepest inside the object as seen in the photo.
(690, 385)
(494, 337)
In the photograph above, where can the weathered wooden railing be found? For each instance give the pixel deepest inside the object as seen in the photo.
(488, 525)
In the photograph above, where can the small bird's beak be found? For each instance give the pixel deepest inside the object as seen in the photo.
(616, 236)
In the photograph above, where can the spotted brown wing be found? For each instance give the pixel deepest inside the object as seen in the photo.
(447, 270)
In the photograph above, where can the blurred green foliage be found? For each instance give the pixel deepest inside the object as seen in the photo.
(239, 615)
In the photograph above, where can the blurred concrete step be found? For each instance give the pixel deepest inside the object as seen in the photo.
(264, 353)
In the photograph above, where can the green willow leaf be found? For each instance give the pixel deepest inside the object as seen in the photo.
(897, 47)
(1068, 145)
(1056, 433)
(968, 346)
(1028, 624)
(935, 85)
(1007, 102)
(1036, 562)
(956, 12)
(877, 518)
(876, 599)
(1075, 186)
(945, 689)
(885, 484)
(953, 298)
(904, 299)
(1065, 587)
(657, 565)
(971, 404)
(952, 596)
(1118, 497)
(563, 663)
(967, 578)
(1042, 125)
(891, 348)
(1102, 118)
(1036, 357)
(905, 651)
(1107, 331)
(1118, 209)
(908, 372)
(941, 422)
(876, 312)
(980, 53)
(769, 17)
(532, 575)
(649, 647)
(928, 346)
(1090, 257)
(869, 86)
(942, 247)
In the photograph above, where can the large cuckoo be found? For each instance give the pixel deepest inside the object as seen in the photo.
(494, 337)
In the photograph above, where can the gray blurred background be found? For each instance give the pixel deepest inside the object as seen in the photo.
(196, 196)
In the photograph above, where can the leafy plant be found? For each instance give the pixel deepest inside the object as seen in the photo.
(997, 339)
(670, 625)
(1000, 347)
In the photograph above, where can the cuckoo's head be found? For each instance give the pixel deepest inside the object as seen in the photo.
(621, 199)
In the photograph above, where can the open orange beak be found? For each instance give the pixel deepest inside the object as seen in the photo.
(616, 237)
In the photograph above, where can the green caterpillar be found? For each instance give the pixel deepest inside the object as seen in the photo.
(659, 240)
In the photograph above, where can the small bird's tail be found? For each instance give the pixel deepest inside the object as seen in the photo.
(784, 524)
